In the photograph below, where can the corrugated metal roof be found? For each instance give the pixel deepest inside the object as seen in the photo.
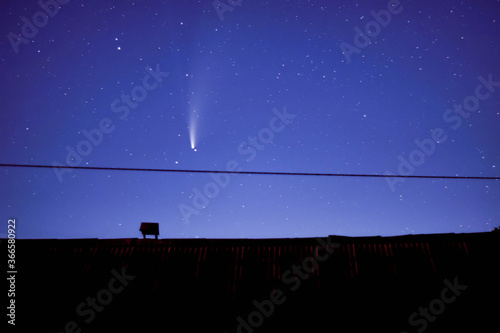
(217, 280)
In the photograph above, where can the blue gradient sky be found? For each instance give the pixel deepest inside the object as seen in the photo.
(352, 113)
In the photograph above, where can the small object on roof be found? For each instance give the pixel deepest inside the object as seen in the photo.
(148, 228)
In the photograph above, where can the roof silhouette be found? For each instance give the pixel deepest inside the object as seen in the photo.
(218, 284)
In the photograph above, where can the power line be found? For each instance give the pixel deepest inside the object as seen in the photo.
(247, 172)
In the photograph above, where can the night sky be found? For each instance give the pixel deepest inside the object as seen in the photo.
(370, 87)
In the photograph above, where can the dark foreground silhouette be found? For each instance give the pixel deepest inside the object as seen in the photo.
(431, 283)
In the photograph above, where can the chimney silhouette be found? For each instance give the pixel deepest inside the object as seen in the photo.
(150, 228)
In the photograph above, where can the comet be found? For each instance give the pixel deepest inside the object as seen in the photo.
(193, 120)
